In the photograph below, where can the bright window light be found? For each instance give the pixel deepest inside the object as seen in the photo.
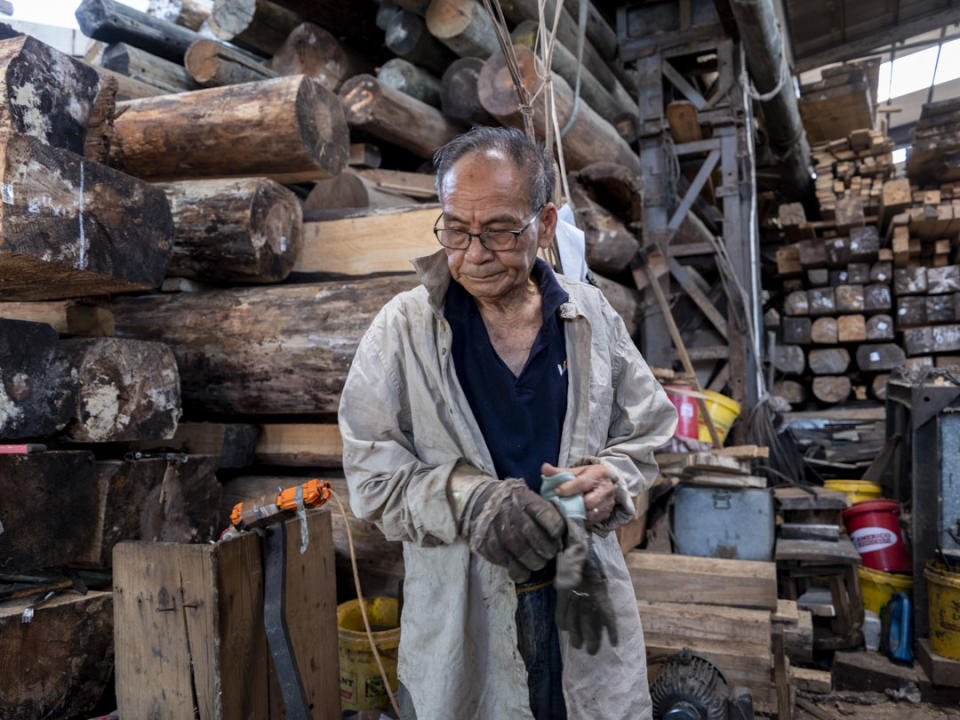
(900, 155)
(949, 66)
(56, 12)
(910, 73)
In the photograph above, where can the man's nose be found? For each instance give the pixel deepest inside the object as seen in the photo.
(476, 252)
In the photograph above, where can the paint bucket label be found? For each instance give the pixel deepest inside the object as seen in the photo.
(871, 539)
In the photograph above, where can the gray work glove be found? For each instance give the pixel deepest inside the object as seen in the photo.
(583, 605)
(512, 526)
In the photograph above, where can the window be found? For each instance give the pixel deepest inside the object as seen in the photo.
(910, 73)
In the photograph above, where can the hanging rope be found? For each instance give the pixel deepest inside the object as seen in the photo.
(581, 41)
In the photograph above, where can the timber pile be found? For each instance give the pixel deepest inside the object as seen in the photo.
(934, 155)
(725, 610)
(842, 101)
(853, 166)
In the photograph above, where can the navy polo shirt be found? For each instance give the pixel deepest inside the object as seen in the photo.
(521, 418)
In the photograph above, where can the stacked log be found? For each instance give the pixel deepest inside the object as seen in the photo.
(935, 152)
(880, 279)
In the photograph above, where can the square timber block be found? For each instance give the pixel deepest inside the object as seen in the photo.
(189, 627)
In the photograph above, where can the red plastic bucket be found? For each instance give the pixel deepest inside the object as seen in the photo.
(684, 399)
(876, 535)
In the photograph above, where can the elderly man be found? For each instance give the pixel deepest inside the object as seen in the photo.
(464, 393)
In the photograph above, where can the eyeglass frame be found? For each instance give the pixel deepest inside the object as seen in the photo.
(470, 236)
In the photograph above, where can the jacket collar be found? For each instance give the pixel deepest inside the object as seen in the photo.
(434, 275)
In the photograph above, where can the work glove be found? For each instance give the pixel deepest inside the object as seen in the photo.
(583, 604)
(512, 526)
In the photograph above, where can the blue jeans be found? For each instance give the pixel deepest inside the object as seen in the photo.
(539, 645)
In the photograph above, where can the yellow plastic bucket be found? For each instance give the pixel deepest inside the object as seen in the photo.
(724, 412)
(878, 587)
(361, 687)
(943, 588)
(856, 490)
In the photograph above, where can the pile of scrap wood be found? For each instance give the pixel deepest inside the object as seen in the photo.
(726, 611)
(853, 166)
(934, 155)
(843, 100)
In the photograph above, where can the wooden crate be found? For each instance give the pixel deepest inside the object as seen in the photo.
(189, 623)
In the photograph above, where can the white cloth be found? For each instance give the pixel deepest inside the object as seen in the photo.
(571, 244)
(406, 425)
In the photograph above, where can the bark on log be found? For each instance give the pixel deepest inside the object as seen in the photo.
(625, 300)
(70, 227)
(49, 498)
(279, 349)
(851, 328)
(407, 36)
(590, 139)
(213, 64)
(128, 390)
(789, 359)
(459, 98)
(37, 393)
(111, 21)
(565, 65)
(45, 93)
(246, 230)
(824, 331)
(188, 13)
(289, 129)
(882, 356)
(397, 118)
(257, 25)
(347, 190)
(832, 361)
(144, 67)
(791, 391)
(463, 26)
(610, 246)
(831, 389)
(796, 330)
(59, 664)
(311, 50)
(620, 191)
(355, 19)
(880, 327)
(406, 77)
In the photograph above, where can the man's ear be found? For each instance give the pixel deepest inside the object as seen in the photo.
(547, 225)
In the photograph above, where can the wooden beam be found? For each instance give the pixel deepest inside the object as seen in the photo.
(709, 581)
(298, 445)
(368, 242)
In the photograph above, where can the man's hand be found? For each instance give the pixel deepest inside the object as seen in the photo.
(595, 482)
(514, 527)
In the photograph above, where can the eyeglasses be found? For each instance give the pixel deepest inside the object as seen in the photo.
(493, 240)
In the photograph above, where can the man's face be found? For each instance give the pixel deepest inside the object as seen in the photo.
(486, 191)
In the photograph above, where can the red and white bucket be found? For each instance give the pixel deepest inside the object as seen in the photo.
(684, 399)
(875, 532)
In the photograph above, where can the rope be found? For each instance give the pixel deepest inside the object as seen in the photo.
(767, 96)
(581, 39)
(363, 604)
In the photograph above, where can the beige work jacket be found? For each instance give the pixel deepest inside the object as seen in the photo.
(406, 423)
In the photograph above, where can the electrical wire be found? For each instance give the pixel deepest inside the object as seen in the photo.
(363, 603)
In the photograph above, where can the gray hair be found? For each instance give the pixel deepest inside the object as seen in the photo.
(532, 159)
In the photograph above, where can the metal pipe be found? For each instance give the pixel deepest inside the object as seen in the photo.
(763, 46)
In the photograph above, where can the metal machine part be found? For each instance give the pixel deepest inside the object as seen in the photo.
(690, 687)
